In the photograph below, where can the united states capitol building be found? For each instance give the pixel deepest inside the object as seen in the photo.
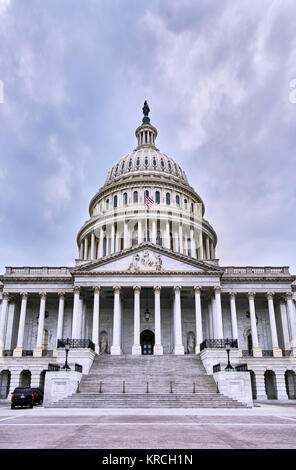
(145, 290)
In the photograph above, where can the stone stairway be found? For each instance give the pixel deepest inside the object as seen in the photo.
(123, 381)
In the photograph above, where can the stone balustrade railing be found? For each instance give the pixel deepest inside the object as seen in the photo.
(255, 271)
(37, 271)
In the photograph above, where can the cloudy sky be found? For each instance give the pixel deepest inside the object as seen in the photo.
(218, 78)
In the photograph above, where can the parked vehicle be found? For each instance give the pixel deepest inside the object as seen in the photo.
(38, 396)
(22, 396)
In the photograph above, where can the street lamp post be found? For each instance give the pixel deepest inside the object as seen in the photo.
(228, 347)
(67, 349)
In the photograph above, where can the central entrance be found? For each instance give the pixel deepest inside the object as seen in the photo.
(147, 342)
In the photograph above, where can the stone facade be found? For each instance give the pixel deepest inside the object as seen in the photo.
(148, 273)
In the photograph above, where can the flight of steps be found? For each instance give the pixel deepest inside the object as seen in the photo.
(171, 381)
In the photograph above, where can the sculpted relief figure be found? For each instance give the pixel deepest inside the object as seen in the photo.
(190, 342)
(103, 342)
(135, 263)
(145, 263)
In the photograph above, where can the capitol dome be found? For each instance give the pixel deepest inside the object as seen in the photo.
(120, 217)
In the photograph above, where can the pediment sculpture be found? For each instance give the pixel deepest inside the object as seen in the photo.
(145, 263)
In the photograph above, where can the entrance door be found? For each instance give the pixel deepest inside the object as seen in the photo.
(147, 342)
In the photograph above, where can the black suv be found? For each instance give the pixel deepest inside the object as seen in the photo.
(38, 396)
(22, 396)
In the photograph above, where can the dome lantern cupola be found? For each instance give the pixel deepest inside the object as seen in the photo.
(146, 133)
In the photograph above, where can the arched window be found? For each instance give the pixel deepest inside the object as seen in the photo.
(154, 162)
(290, 379)
(25, 378)
(138, 162)
(135, 196)
(146, 194)
(146, 161)
(185, 203)
(162, 163)
(168, 198)
(122, 166)
(107, 204)
(157, 197)
(130, 163)
(177, 200)
(115, 201)
(125, 199)
(270, 384)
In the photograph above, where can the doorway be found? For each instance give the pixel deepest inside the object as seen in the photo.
(147, 342)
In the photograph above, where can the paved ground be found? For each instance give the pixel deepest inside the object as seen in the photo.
(265, 426)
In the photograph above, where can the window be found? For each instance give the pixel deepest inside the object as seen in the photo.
(157, 197)
(168, 198)
(130, 163)
(138, 162)
(122, 166)
(154, 162)
(125, 199)
(162, 163)
(146, 161)
(185, 203)
(177, 200)
(115, 201)
(146, 194)
(107, 204)
(135, 196)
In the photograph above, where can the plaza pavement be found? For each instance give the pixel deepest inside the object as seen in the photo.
(266, 426)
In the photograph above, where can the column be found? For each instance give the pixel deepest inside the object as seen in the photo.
(81, 321)
(210, 310)
(167, 240)
(136, 349)
(60, 316)
(21, 330)
(116, 346)
(277, 352)
(192, 244)
(257, 352)
(117, 240)
(201, 250)
(81, 250)
(180, 238)
(212, 250)
(233, 315)
(38, 349)
(153, 230)
(101, 243)
(285, 326)
(125, 236)
(179, 348)
(140, 231)
(292, 321)
(281, 384)
(208, 255)
(112, 238)
(3, 321)
(158, 348)
(96, 319)
(92, 246)
(10, 322)
(218, 321)
(75, 320)
(198, 319)
(85, 248)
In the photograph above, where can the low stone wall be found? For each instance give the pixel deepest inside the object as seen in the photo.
(236, 385)
(213, 356)
(60, 385)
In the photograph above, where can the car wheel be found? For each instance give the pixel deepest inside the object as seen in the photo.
(12, 407)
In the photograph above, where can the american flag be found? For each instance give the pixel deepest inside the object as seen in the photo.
(148, 202)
